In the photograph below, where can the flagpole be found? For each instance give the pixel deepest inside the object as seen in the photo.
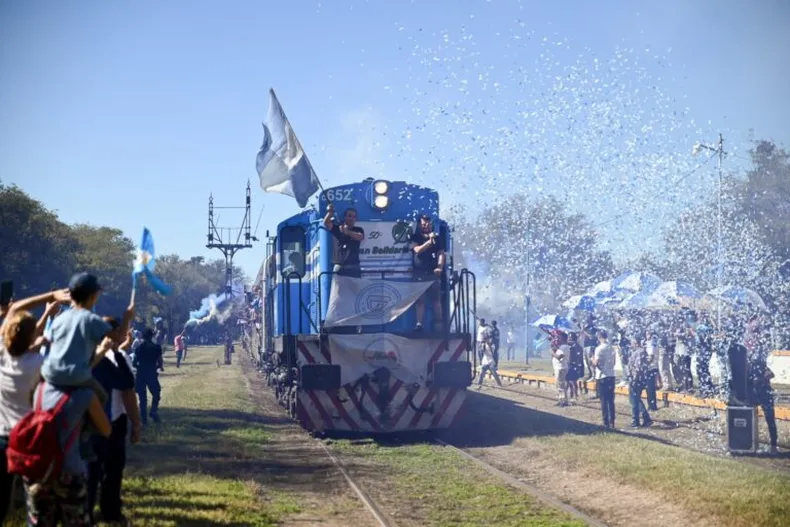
(296, 137)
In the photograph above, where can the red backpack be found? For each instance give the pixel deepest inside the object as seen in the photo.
(33, 449)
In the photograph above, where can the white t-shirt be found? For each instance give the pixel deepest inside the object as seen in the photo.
(118, 409)
(484, 333)
(605, 356)
(561, 363)
(511, 338)
(19, 376)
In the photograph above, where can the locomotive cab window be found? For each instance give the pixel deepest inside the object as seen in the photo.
(292, 251)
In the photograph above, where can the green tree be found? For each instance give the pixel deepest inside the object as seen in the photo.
(514, 238)
(108, 254)
(39, 251)
(765, 195)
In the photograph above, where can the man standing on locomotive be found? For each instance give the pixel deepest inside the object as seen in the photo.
(348, 238)
(428, 250)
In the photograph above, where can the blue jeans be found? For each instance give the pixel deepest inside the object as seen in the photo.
(605, 388)
(148, 382)
(635, 388)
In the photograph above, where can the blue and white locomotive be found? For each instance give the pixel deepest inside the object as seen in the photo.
(340, 340)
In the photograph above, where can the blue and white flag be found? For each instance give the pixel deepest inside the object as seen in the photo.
(144, 264)
(281, 163)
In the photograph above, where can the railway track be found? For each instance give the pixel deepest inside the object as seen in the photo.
(596, 407)
(523, 486)
(382, 519)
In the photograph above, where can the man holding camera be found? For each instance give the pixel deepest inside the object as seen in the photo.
(428, 252)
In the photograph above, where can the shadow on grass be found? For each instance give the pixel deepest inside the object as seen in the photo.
(486, 421)
(221, 443)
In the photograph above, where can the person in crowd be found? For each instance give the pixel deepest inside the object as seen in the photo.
(510, 340)
(482, 332)
(495, 340)
(703, 335)
(63, 497)
(590, 341)
(185, 340)
(683, 342)
(666, 351)
(486, 348)
(759, 379)
(20, 370)
(604, 362)
(638, 365)
(347, 241)
(76, 335)
(651, 349)
(560, 356)
(178, 345)
(428, 262)
(624, 349)
(575, 365)
(147, 362)
(105, 466)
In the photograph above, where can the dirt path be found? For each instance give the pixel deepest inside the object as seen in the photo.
(519, 442)
(317, 486)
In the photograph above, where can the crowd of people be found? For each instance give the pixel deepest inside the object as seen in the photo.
(74, 386)
(655, 351)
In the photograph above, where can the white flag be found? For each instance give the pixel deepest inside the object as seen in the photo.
(357, 355)
(361, 302)
(281, 163)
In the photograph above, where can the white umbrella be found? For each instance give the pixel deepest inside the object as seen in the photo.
(673, 294)
(738, 296)
(636, 282)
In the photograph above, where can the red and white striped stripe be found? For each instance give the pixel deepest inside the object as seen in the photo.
(354, 408)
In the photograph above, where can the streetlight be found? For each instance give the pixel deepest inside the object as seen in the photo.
(719, 150)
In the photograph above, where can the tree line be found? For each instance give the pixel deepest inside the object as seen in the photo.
(562, 253)
(40, 252)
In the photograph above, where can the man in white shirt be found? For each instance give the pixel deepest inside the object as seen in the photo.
(481, 333)
(603, 362)
(485, 338)
(560, 358)
(511, 345)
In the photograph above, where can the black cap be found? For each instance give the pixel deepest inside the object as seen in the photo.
(85, 283)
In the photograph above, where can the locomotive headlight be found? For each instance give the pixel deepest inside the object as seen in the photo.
(381, 187)
(381, 202)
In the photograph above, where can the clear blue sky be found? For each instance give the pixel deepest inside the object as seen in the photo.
(126, 114)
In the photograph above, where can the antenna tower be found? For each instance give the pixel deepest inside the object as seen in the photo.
(222, 237)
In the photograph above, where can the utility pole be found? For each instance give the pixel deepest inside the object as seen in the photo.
(718, 150)
(528, 292)
(222, 238)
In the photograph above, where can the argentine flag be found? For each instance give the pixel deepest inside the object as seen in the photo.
(281, 163)
(144, 264)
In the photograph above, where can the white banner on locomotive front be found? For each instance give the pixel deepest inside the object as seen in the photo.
(360, 302)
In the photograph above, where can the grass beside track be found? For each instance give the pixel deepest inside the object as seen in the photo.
(446, 489)
(730, 492)
(204, 465)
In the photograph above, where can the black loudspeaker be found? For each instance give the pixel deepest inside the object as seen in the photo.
(742, 429)
(739, 378)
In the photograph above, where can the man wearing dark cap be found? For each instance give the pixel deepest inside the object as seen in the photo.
(75, 335)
